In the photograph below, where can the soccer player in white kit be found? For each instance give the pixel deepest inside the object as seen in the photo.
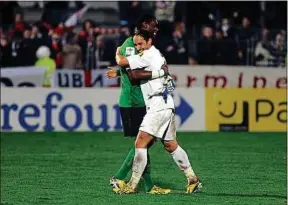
(159, 122)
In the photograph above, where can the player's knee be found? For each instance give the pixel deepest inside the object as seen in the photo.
(142, 140)
(139, 144)
(170, 146)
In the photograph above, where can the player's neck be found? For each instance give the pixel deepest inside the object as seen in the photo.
(149, 47)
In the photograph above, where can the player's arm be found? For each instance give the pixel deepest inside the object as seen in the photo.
(137, 65)
(113, 72)
(136, 73)
(120, 59)
(140, 74)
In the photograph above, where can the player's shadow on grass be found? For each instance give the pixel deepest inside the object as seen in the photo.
(247, 195)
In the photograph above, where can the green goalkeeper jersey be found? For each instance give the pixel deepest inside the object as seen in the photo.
(131, 95)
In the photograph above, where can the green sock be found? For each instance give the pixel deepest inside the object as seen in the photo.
(147, 176)
(126, 166)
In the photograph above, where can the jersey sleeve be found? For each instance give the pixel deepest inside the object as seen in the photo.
(138, 62)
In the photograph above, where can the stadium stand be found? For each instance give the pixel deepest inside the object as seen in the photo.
(246, 34)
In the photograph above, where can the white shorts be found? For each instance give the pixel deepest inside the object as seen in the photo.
(160, 124)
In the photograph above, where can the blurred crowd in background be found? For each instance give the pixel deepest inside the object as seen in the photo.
(195, 33)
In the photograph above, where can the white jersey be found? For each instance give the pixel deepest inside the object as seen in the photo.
(152, 60)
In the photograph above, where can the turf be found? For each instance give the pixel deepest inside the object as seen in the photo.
(74, 168)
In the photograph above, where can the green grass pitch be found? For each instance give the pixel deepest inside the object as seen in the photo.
(75, 168)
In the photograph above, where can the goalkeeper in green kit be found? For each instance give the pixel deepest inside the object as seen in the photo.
(132, 109)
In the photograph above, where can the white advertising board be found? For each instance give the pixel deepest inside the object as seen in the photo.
(228, 76)
(22, 77)
(45, 109)
(79, 78)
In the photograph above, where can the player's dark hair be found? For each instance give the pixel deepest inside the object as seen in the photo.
(145, 34)
(145, 19)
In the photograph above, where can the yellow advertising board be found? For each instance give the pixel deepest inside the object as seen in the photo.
(246, 109)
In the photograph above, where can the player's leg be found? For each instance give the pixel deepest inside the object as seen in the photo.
(140, 159)
(128, 162)
(139, 164)
(148, 129)
(179, 156)
(138, 114)
(126, 117)
(126, 165)
(131, 121)
(144, 138)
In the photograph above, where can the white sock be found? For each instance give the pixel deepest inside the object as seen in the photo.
(139, 164)
(181, 159)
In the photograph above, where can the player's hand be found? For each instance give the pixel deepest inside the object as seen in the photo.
(111, 73)
(117, 55)
(165, 68)
(170, 84)
(118, 50)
